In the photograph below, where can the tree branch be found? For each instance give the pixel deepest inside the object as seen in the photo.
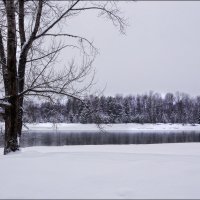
(48, 54)
(21, 22)
(43, 92)
(26, 47)
(70, 35)
(56, 21)
(112, 14)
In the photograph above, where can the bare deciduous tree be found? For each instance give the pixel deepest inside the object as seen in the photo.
(31, 37)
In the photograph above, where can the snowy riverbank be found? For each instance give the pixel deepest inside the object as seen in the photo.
(132, 127)
(107, 171)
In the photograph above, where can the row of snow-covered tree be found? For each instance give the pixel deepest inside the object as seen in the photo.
(147, 108)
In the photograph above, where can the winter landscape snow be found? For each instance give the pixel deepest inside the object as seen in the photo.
(152, 171)
(88, 113)
(102, 171)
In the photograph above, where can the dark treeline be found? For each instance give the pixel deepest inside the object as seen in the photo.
(147, 108)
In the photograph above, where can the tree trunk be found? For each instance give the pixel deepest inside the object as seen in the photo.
(20, 116)
(11, 112)
(11, 140)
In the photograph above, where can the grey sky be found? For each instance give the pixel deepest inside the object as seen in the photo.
(160, 51)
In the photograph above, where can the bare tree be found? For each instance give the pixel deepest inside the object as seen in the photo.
(31, 37)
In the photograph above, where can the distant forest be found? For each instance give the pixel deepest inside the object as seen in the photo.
(147, 108)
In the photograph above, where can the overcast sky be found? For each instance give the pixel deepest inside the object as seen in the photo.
(160, 51)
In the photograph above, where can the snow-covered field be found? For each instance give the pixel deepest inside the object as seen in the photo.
(106, 171)
(132, 127)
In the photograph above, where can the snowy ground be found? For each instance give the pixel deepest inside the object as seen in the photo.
(106, 171)
(132, 127)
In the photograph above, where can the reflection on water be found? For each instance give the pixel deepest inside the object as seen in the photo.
(88, 138)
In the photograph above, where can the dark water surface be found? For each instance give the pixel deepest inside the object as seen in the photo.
(56, 138)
